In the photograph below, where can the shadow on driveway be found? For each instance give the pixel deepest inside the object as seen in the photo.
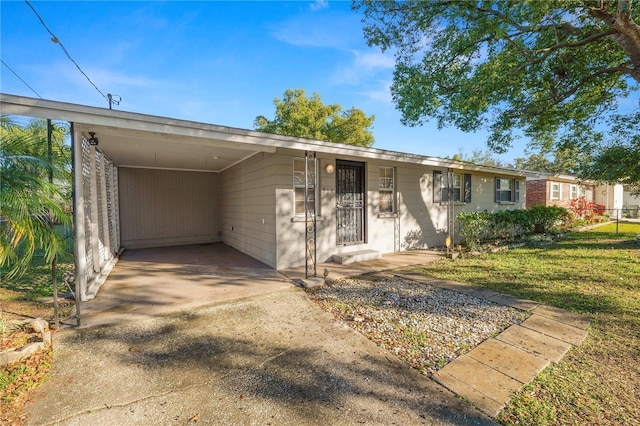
(274, 359)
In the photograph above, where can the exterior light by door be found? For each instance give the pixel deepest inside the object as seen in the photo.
(329, 168)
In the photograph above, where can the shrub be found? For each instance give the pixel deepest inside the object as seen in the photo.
(474, 228)
(545, 218)
(583, 210)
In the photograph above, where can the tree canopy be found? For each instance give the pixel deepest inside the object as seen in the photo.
(480, 157)
(553, 71)
(298, 115)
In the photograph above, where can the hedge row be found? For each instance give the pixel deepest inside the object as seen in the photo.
(477, 227)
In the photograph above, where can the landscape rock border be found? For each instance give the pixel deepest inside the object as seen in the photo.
(38, 325)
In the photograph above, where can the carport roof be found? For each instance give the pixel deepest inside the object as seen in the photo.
(141, 140)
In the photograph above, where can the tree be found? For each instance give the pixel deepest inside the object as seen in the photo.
(619, 161)
(562, 161)
(298, 115)
(28, 201)
(480, 157)
(553, 71)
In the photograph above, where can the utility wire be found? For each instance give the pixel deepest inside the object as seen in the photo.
(57, 41)
(20, 78)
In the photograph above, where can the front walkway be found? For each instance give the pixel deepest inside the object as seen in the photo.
(490, 373)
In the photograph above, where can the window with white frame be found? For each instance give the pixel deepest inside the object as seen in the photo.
(456, 186)
(460, 186)
(507, 190)
(504, 189)
(386, 187)
(555, 191)
(573, 192)
(299, 184)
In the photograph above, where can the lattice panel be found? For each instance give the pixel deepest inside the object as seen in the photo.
(116, 212)
(108, 174)
(88, 202)
(100, 204)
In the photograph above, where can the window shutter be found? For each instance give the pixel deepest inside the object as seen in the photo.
(497, 191)
(516, 190)
(467, 188)
(437, 186)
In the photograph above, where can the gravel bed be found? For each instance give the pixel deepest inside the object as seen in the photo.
(424, 325)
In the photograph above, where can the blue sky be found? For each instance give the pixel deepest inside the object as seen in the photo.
(214, 62)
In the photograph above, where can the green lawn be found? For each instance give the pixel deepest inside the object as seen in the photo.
(596, 273)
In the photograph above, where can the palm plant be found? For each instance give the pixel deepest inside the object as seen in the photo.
(29, 202)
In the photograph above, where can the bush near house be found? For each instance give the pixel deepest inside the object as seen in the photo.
(475, 228)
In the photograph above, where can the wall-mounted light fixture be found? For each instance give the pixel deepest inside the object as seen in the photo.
(92, 139)
(329, 168)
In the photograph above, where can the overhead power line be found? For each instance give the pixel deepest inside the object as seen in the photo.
(56, 40)
(20, 78)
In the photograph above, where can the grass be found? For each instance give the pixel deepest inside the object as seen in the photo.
(596, 273)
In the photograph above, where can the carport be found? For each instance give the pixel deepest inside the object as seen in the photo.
(155, 281)
(142, 181)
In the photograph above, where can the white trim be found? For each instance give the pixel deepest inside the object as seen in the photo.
(571, 189)
(551, 197)
(202, 133)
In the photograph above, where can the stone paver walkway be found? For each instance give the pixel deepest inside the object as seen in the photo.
(489, 374)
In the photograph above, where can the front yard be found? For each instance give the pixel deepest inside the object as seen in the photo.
(596, 273)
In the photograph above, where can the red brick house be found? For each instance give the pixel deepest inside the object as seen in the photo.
(557, 190)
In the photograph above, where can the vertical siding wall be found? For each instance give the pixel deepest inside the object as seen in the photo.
(248, 206)
(168, 207)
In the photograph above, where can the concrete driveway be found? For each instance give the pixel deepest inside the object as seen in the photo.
(206, 334)
(149, 282)
(274, 358)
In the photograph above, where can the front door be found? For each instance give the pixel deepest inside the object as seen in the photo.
(350, 201)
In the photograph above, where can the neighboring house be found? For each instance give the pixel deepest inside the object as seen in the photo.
(618, 200)
(147, 181)
(548, 189)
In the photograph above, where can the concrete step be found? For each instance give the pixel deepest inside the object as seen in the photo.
(356, 256)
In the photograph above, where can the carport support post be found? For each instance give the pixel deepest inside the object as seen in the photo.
(54, 272)
(79, 235)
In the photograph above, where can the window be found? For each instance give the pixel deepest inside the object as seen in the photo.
(386, 182)
(456, 187)
(299, 165)
(555, 191)
(507, 190)
(460, 187)
(573, 192)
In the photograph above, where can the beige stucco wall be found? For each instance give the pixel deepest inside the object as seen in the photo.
(248, 207)
(167, 207)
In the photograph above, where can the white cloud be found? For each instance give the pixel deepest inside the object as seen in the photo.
(324, 30)
(364, 66)
(381, 93)
(319, 5)
(373, 60)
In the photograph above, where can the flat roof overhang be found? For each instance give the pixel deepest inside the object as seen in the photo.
(141, 140)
